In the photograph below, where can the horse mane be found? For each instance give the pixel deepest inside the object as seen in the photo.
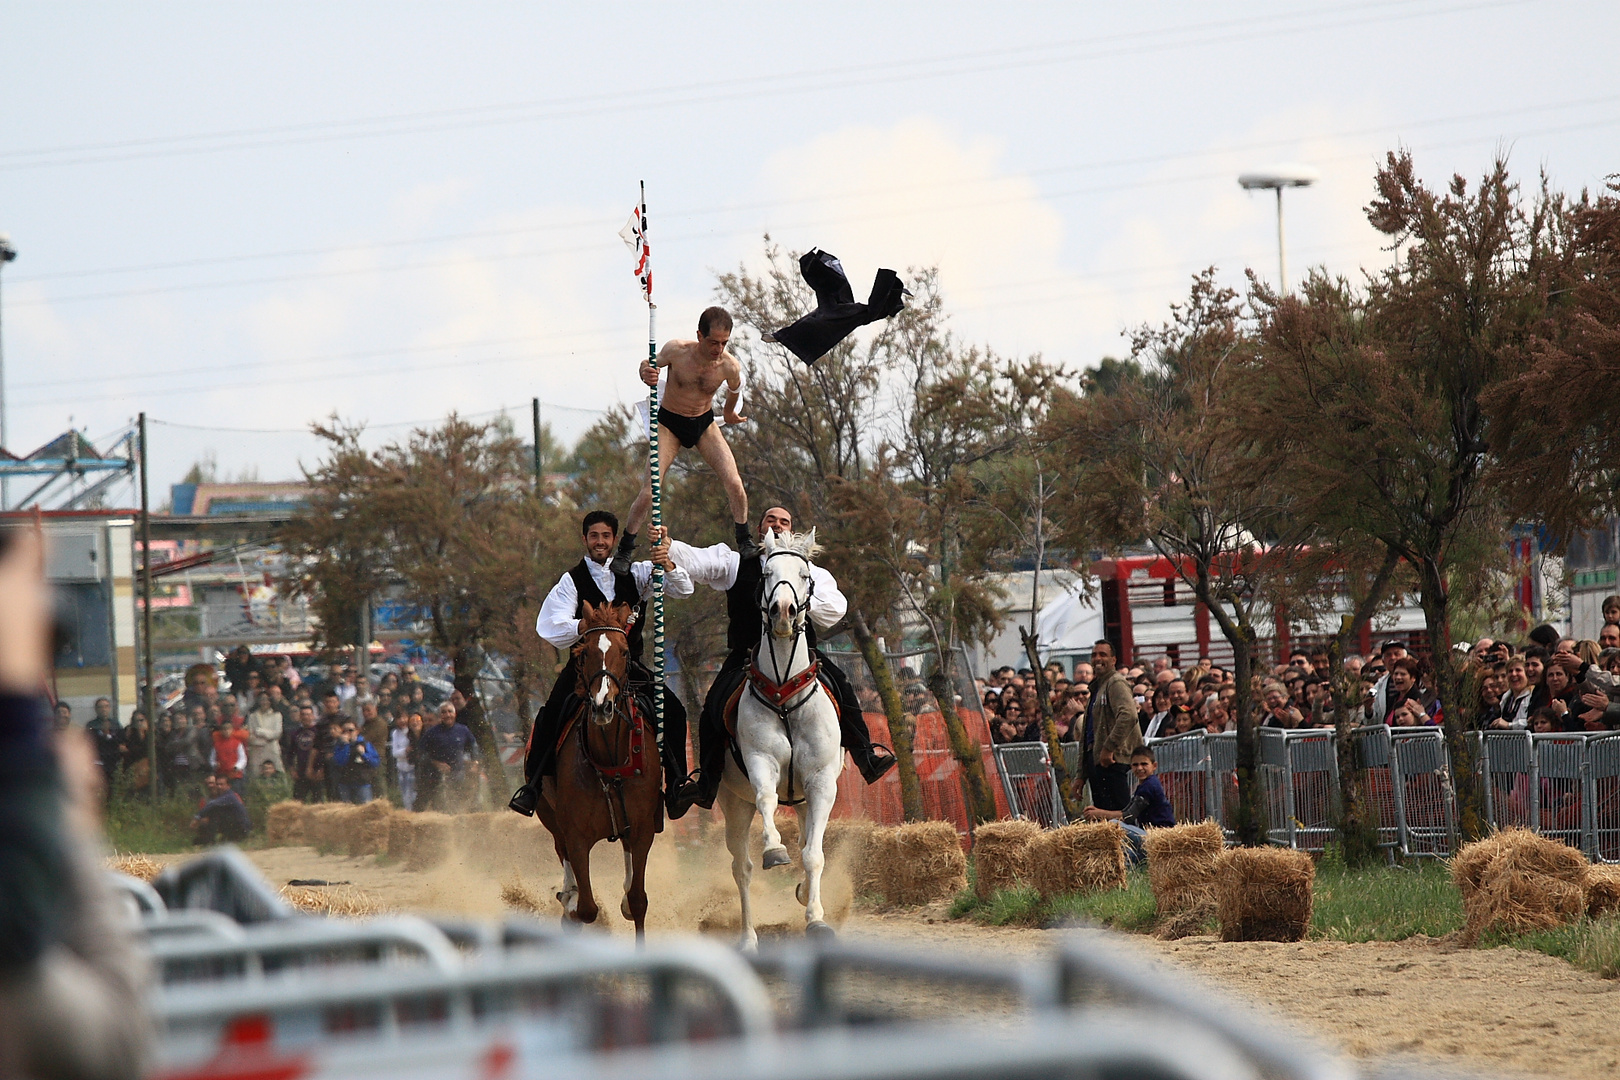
(608, 614)
(802, 542)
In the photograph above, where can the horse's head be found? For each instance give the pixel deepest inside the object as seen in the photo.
(604, 654)
(786, 584)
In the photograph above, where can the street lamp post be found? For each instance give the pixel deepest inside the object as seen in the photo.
(1282, 176)
(7, 254)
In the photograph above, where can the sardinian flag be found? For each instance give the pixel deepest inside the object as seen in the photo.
(634, 235)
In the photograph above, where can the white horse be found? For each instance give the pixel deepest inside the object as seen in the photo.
(787, 731)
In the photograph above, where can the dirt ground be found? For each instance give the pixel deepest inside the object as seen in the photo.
(1501, 1011)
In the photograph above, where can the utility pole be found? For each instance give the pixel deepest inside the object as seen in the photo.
(149, 698)
(539, 461)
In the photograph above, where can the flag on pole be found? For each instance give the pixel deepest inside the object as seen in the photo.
(634, 235)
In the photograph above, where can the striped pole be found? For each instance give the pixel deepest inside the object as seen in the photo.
(657, 487)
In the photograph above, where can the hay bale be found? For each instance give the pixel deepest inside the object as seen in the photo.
(432, 837)
(1181, 863)
(1516, 850)
(1519, 901)
(326, 826)
(1602, 890)
(136, 866)
(1085, 857)
(1264, 894)
(400, 835)
(847, 843)
(368, 825)
(284, 824)
(918, 863)
(344, 901)
(1188, 922)
(1001, 856)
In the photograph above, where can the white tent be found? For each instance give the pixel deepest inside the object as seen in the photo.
(1070, 624)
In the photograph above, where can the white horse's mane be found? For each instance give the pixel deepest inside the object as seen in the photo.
(804, 543)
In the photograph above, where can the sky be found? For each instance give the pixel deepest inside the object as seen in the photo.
(241, 218)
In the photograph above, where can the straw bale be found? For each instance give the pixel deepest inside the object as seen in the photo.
(1001, 855)
(284, 824)
(1517, 850)
(368, 826)
(1264, 894)
(1518, 901)
(1085, 857)
(342, 900)
(326, 826)
(432, 836)
(848, 841)
(1187, 922)
(918, 863)
(1602, 890)
(400, 835)
(1181, 863)
(136, 866)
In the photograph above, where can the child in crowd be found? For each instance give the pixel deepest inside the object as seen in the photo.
(1149, 806)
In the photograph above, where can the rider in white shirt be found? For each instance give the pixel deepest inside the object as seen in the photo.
(559, 622)
(723, 569)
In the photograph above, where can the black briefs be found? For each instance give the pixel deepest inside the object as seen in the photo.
(687, 429)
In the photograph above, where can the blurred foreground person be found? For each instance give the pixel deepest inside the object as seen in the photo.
(70, 976)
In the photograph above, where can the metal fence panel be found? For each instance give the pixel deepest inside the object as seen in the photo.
(1375, 761)
(1508, 762)
(1313, 771)
(1184, 774)
(1561, 796)
(1222, 790)
(1031, 787)
(1603, 772)
(1424, 791)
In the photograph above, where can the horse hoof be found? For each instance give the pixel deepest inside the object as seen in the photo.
(624, 909)
(799, 893)
(774, 857)
(819, 931)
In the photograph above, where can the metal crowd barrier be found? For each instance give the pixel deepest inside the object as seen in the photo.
(1299, 775)
(1565, 786)
(1030, 784)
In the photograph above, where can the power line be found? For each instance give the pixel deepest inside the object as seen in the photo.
(369, 427)
(753, 87)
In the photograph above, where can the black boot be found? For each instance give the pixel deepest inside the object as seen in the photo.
(621, 557)
(524, 800)
(747, 541)
(873, 761)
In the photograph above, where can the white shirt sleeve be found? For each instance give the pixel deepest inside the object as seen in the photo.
(827, 604)
(677, 582)
(557, 623)
(714, 566)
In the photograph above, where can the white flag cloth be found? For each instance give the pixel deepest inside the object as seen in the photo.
(634, 235)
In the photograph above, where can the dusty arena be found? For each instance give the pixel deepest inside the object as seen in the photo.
(1499, 1011)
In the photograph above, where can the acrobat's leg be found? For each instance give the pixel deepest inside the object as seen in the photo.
(668, 448)
(717, 452)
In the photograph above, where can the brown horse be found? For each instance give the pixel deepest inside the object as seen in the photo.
(607, 785)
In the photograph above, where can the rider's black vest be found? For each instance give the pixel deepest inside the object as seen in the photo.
(745, 623)
(624, 592)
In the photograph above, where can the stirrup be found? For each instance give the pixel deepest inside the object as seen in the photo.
(874, 762)
(524, 800)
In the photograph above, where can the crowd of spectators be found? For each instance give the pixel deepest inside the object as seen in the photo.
(1546, 683)
(327, 735)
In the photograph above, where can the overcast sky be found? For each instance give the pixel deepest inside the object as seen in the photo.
(242, 217)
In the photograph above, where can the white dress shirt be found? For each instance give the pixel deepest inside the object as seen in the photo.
(717, 566)
(560, 626)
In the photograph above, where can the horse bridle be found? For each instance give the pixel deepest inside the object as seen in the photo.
(613, 680)
(800, 610)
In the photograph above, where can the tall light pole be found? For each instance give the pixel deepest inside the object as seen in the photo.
(1277, 178)
(7, 254)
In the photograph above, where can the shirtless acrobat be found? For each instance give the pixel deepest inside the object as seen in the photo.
(686, 420)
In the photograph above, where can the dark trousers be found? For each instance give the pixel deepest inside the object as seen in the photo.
(713, 740)
(541, 759)
(1110, 784)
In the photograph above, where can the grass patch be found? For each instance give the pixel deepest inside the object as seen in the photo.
(1129, 909)
(134, 823)
(1384, 903)
(1590, 944)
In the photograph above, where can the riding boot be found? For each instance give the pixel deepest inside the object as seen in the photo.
(873, 761)
(541, 756)
(621, 558)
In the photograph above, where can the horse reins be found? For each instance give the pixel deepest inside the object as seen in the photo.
(778, 691)
(611, 776)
